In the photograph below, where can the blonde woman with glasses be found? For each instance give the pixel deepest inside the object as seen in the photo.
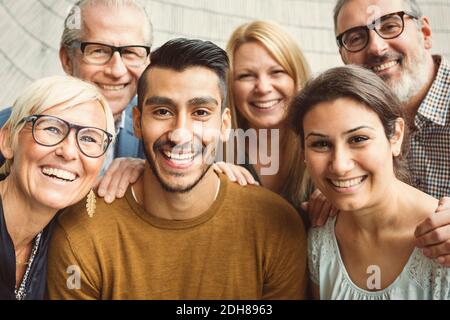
(54, 144)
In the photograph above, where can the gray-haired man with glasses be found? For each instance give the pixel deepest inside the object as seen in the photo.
(107, 42)
(393, 38)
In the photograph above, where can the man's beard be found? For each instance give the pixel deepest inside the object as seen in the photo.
(169, 188)
(414, 74)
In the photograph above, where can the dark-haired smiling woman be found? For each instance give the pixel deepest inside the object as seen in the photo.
(352, 129)
(54, 143)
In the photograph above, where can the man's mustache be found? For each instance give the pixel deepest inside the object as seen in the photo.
(163, 144)
(376, 59)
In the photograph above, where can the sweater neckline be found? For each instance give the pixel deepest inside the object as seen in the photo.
(180, 224)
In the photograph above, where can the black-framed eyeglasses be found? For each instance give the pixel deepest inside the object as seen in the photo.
(49, 131)
(389, 26)
(100, 53)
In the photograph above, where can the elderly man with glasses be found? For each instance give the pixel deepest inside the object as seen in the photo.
(393, 39)
(108, 43)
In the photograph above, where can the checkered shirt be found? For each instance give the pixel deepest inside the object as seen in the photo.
(429, 156)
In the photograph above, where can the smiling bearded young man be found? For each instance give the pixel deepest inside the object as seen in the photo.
(182, 231)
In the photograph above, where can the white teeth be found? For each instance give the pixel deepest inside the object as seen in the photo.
(58, 173)
(185, 157)
(347, 183)
(266, 105)
(384, 66)
(111, 87)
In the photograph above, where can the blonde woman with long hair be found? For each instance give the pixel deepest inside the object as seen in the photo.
(267, 70)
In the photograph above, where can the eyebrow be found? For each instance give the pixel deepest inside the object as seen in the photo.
(202, 101)
(157, 100)
(316, 134)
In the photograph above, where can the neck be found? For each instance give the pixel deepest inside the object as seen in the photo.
(386, 215)
(24, 219)
(174, 205)
(412, 106)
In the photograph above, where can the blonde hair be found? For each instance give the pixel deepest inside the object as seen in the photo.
(287, 53)
(73, 24)
(45, 94)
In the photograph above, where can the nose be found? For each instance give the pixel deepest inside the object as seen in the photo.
(341, 162)
(376, 46)
(263, 85)
(68, 148)
(182, 131)
(115, 66)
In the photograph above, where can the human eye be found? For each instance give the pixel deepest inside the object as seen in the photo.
(52, 129)
(90, 136)
(358, 140)
(202, 113)
(354, 38)
(320, 145)
(162, 113)
(97, 50)
(133, 52)
(278, 72)
(245, 76)
(390, 27)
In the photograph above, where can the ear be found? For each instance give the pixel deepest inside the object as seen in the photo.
(226, 125)
(397, 139)
(427, 33)
(137, 122)
(5, 144)
(66, 60)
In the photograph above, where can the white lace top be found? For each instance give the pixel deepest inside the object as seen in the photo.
(421, 278)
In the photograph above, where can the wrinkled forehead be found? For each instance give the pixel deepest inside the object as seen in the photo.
(364, 12)
(114, 25)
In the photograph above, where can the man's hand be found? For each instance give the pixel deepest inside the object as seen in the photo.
(319, 209)
(121, 173)
(235, 173)
(433, 234)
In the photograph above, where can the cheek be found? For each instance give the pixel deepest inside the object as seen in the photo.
(92, 167)
(241, 92)
(315, 164)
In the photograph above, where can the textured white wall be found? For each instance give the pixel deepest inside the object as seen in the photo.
(30, 30)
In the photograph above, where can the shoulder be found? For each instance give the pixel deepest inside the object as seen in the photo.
(321, 241)
(4, 115)
(259, 200)
(78, 226)
(430, 276)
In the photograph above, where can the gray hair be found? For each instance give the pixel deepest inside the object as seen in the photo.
(412, 4)
(73, 24)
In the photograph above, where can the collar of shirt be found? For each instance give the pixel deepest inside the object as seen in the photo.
(120, 122)
(435, 107)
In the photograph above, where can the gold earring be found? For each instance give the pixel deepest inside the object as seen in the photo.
(91, 201)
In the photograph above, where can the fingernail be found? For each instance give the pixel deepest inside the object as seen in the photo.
(101, 192)
(426, 252)
(108, 199)
(440, 260)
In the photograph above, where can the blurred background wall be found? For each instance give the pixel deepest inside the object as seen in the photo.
(30, 30)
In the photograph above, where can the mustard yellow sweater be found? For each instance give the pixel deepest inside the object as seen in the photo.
(250, 244)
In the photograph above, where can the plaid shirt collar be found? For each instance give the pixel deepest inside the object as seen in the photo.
(436, 105)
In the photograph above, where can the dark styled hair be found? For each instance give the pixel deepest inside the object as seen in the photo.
(180, 54)
(361, 85)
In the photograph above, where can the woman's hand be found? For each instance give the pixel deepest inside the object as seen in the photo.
(319, 209)
(121, 173)
(235, 173)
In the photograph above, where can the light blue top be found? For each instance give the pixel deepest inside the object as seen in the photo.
(421, 278)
